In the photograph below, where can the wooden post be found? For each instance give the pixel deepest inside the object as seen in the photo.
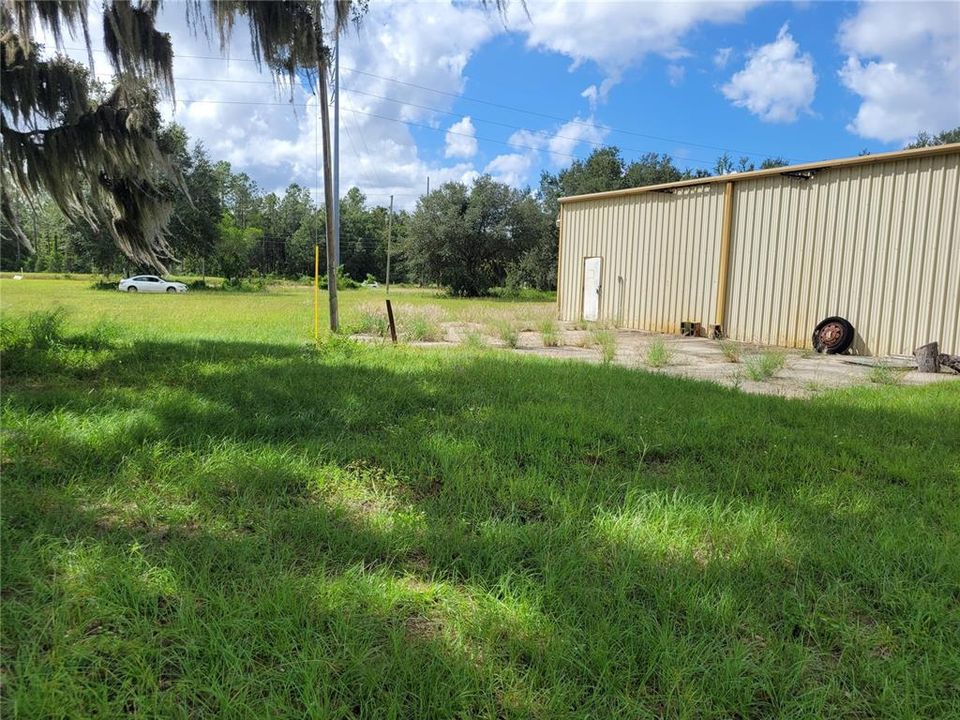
(928, 358)
(393, 326)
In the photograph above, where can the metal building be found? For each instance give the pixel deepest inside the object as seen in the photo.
(766, 255)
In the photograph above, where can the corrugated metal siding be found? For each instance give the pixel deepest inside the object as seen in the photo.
(873, 243)
(878, 244)
(664, 246)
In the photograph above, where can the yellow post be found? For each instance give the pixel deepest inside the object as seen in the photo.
(316, 292)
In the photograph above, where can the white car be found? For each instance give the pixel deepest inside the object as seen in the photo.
(151, 284)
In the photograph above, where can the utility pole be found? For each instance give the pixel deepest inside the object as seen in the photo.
(389, 237)
(428, 184)
(324, 108)
(336, 149)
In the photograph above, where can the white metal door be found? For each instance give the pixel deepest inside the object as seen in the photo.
(591, 288)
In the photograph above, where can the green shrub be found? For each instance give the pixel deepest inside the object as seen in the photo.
(765, 365)
(344, 281)
(522, 293)
(606, 341)
(550, 333)
(730, 349)
(658, 355)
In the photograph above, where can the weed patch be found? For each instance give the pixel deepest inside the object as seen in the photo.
(658, 355)
(549, 333)
(731, 350)
(764, 366)
(508, 333)
(883, 374)
(606, 341)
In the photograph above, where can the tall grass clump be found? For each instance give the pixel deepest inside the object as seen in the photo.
(40, 330)
(423, 325)
(883, 374)
(508, 333)
(45, 328)
(371, 320)
(549, 333)
(765, 365)
(605, 340)
(658, 355)
(473, 340)
(730, 350)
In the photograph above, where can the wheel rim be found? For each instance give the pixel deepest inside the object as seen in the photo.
(831, 334)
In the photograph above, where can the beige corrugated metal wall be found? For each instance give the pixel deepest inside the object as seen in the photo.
(659, 256)
(873, 243)
(876, 243)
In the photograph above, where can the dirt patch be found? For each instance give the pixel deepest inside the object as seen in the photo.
(803, 374)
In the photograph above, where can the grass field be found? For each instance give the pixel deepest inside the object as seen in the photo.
(205, 516)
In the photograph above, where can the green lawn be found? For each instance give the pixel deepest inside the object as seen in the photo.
(205, 516)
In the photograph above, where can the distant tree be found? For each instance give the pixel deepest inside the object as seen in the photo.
(925, 139)
(193, 230)
(773, 162)
(362, 236)
(234, 247)
(466, 239)
(651, 169)
(724, 165)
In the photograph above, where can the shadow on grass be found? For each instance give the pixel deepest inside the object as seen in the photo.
(367, 532)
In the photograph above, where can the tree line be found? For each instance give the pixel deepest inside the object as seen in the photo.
(464, 238)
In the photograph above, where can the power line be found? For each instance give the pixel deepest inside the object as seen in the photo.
(585, 141)
(467, 98)
(391, 119)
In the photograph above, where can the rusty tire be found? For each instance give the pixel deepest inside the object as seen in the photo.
(833, 335)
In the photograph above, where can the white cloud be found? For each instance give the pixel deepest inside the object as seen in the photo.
(722, 56)
(777, 81)
(675, 74)
(903, 60)
(239, 115)
(511, 168)
(529, 139)
(570, 135)
(461, 140)
(597, 94)
(615, 35)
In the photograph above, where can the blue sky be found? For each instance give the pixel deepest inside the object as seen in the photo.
(805, 80)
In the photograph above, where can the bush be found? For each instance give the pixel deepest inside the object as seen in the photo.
(658, 355)
(765, 365)
(245, 284)
(522, 293)
(344, 281)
